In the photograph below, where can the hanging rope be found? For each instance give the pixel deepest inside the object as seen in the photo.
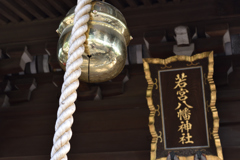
(63, 132)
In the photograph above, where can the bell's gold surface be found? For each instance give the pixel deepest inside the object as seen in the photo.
(106, 45)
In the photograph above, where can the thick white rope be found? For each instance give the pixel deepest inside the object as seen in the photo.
(63, 132)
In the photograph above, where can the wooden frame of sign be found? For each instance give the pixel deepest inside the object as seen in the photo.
(181, 97)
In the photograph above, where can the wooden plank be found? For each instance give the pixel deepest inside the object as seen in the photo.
(222, 68)
(31, 8)
(19, 96)
(130, 155)
(234, 79)
(147, 2)
(228, 112)
(25, 83)
(59, 6)
(154, 36)
(230, 153)
(176, 1)
(112, 141)
(115, 141)
(46, 8)
(161, 50)
(214, 43)
(228, 94)
(162, 1)
(5, 86)
(138, 22)
(37, 48)
(3, 20)
(4, 100)
(43, 107)
(45, 99)
(132, 3)
(183, 13)
(111, 88)
(116, 3)
(215, 30)
(230, 135)
(15, 52)
(10, 15)
(98, 121)
(226, 8)
(51, 49)
(8, 66)
(18, 10)
(17, 62)
(93, 94)
(165, 49)
(41, 78)
(70, 4)
(46, 94)
(36, 32)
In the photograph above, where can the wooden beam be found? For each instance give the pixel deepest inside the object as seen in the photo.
(37, 31)
(59, 6)
(165, 49)
(4, 100)
(19, 96)
(216, 30)
(36, 12)
(116, 3)
(46, 8)
(228, 95)
(19, 11)
(229, 110)
(51, 49)
(161, 50)
(154, 36)
(230, 153)
(9, 66)
(132, 3)
(140, 20)
(111, 88)
(10, 15)
(16, 62)
(5, 86)
(69, 3)
(15, 52)
(208, 44)
(3, 20)
(176, 1)
(131, 155)
(162, 1)
(112, 141)
(106, 121)
(25, 83)
(147, 2)
(93, 94)
(37, 48)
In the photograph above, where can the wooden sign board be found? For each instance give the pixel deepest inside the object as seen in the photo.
(181, 96)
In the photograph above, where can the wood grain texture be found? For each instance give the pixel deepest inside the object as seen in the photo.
(116, 126)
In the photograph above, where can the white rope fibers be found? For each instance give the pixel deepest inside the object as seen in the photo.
(63, 132)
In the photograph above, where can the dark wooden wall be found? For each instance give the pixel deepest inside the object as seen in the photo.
(116, 125)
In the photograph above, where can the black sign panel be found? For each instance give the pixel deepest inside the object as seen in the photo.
(181, 97)
(186, 107)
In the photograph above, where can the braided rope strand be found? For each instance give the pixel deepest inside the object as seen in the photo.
(63, 132)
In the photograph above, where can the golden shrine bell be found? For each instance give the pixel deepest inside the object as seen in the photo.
(106, 45)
